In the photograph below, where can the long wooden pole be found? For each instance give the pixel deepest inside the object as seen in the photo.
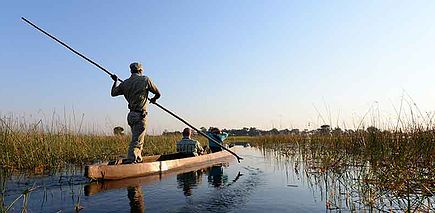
(109, 73)
(200, 132)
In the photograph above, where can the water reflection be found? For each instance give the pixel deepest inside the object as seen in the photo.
(230, 188)
(216, 176)
(189, 180)
(136, 198)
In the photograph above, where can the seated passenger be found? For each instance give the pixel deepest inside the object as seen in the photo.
(218, 136)
(187, 146)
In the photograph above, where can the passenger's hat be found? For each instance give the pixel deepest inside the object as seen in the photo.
(135, 67)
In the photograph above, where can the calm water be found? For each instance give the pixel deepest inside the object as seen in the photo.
(262, 182)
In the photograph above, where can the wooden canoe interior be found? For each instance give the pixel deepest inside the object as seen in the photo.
(149, 159)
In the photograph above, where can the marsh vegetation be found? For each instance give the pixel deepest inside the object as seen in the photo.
(383, 170)
(367, 168)
(38, 147)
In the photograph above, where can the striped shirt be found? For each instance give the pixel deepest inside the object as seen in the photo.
(189, 146)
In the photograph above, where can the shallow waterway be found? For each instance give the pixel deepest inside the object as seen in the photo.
(263, 182)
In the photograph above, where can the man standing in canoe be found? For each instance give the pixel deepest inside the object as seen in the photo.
(135, 90)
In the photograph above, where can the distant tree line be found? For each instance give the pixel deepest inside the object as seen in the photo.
(252, 131)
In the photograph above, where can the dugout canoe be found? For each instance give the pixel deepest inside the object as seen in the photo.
(152, 165)
(95, 187)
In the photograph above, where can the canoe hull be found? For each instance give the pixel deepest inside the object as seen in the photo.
(150, 166)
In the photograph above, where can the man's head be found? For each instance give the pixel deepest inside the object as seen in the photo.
(187, 132)
(136, 68)
(215, 131)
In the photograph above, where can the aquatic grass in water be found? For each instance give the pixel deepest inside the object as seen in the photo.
(24, 196)
(384, 170)
(31, 147)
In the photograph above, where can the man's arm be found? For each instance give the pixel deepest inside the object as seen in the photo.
(199, 148)
(153, 89)
(224, 136)
(116, 90)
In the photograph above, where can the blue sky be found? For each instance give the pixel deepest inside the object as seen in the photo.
(221, 63)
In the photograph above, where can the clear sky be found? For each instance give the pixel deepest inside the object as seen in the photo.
(221, 63)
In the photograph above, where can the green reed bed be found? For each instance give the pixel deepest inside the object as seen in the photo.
(415, 148)
(51, 151)
(23, 147)
(387, 169)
